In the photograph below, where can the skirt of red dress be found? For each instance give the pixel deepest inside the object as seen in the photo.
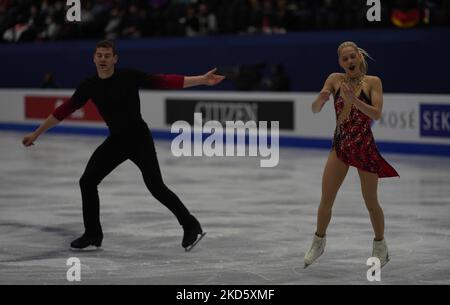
(355, 146)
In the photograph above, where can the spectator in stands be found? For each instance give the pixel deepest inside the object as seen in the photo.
(207, 21)
(190, 22)
(268, 17)
(255, 17)
(249, 77)
(279, 79)
(282, 18)
(14, 33)
(27, 20)
(49, 81)
(133, 23)
(113, 27)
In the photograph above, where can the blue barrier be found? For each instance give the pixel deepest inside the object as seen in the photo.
(303, 142)
(408, 61)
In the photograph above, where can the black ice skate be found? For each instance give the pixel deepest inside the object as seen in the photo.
(87, 243)
(193, 233)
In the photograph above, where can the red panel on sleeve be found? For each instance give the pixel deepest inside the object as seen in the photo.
(39, 107)
(64, 110)
(168, 81)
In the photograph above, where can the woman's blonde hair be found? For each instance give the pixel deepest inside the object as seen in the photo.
(364, 66)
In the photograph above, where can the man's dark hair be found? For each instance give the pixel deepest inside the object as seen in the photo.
(106, 44)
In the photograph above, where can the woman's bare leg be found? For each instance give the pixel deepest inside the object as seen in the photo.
(369, 187)
(333, 176)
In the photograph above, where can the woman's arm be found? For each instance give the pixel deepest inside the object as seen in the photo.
(324, 95)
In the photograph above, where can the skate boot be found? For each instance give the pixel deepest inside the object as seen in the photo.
(380, 251)
(193, 233)
(317, 248)
(87, 243)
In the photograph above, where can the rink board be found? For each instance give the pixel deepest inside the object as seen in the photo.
(411, 123)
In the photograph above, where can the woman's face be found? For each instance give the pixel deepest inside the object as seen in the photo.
(350, 61)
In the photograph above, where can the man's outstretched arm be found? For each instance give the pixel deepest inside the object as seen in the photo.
(50, 122)
(53, 119)
(208, 79)
(172, 81)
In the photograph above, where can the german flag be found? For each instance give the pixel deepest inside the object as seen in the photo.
(405, 19)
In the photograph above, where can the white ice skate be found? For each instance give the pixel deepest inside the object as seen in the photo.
(317, 249)
(380, 250)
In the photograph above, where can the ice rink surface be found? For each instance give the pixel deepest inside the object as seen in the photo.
(259, 221)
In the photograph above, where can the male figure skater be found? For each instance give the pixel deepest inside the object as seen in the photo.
(115, 92)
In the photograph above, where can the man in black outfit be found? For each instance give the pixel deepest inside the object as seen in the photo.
(115, 92)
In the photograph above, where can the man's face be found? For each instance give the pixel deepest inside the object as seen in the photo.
(105, 60)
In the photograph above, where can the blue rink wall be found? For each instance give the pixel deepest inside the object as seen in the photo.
(408, 61)
(295, 142)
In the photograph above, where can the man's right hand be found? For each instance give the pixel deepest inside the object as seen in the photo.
(29, 139)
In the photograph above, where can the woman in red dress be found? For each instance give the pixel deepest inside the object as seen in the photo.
(358, 99)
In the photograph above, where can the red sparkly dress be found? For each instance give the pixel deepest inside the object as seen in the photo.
(353, 139)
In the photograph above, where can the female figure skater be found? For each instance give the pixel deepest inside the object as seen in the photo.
(358, 99)
(115, 93)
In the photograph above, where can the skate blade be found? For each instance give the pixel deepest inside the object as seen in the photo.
(387, 261)
(307, 265)
(87, 249)
(189, 248)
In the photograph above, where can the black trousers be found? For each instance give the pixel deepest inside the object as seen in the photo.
(140, 149)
